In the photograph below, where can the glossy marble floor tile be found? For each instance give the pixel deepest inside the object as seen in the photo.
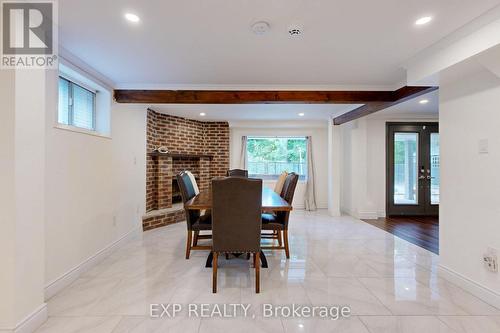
(405, 324)
(389, 284)
(472, 324)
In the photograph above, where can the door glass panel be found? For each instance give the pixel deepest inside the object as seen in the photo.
(405, 168)
(435, 181)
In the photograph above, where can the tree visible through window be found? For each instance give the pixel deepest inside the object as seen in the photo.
(268, 157)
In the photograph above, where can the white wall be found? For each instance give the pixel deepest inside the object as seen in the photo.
(96, 191)
(363, 165)
(470, 181)
(319, 135)
(22, 181)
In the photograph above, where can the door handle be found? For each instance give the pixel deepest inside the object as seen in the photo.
(422, 177)
(429, 177)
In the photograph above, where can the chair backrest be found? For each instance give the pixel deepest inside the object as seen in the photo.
(237, 173)
(188, 192)
(236, 215)
(186, 186)
(289, 186)
(287, 193)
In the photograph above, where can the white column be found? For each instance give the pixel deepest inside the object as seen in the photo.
(22, 228)
(334, 163)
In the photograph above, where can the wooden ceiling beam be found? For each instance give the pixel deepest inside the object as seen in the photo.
(250, 97)
(373, 100)
(399, 96)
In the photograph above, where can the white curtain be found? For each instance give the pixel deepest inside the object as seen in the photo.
(243, 156)
(310, 195)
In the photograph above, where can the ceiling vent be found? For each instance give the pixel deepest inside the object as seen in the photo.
(295, 30)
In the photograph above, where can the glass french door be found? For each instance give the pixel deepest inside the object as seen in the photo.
(412, 169)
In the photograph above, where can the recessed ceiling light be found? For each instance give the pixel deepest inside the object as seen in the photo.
(423, 20)
(424, 101)
(132, 17)
(203, 114)
(302, 114)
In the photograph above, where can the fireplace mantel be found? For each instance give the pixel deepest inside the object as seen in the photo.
(180, 155)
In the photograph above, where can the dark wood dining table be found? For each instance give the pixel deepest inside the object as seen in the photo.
(271, 202)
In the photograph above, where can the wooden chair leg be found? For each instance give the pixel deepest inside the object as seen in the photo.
(280, 240)
(188, 243)
(257, 272)
(214, 272)
(285, 239)
(195, 240)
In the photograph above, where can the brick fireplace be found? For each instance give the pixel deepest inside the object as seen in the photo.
(197, 146)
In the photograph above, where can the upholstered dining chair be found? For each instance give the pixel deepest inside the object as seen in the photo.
(195, 221)
(278, 222)
(236, 220)
(237, 173)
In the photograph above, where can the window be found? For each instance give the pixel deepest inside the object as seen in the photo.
(268, 157)
(77, 105)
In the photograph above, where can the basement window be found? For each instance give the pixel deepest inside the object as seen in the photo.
(268, 157)
(77, 105)
(84, 102)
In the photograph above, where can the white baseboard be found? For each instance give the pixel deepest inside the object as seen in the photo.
(69, 277)
(31, 323)
(367, 215)
(485, 294)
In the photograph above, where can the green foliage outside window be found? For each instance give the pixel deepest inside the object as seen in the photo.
(271, 156)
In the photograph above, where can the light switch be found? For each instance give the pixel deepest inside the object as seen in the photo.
(483, 146)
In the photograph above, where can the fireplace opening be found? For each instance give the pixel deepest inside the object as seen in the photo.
(176, 192)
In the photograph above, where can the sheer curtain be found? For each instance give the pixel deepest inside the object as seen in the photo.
(243, 155)
(310, 196)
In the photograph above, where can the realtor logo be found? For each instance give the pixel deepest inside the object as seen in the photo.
(29, 34)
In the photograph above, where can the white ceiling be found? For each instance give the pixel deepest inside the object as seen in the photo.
(354, 44)
(231, 112)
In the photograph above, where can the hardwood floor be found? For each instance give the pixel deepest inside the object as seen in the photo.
(419, 230)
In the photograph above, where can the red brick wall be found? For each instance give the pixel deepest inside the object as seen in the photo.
(185, 136)
(163, 220)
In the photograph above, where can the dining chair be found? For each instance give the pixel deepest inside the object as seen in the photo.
(278, 222)
(236, 220)
(237, 173)
(195, 221)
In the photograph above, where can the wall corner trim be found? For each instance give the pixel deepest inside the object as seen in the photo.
(487, 295)
(70, 276)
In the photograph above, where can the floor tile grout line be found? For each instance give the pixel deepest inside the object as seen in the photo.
(373, 294)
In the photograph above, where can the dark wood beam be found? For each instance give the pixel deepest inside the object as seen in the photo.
(373, 100)
(399, 96)
(250, 97)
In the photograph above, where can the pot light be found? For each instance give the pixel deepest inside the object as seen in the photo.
(302, 114)
(203, 114)
(424, 101)
(423, 20)
(132, 17)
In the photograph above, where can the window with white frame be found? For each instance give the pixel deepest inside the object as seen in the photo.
(77, 105)
(268, 157)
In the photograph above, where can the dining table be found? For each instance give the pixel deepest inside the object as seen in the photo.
(272, 202)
